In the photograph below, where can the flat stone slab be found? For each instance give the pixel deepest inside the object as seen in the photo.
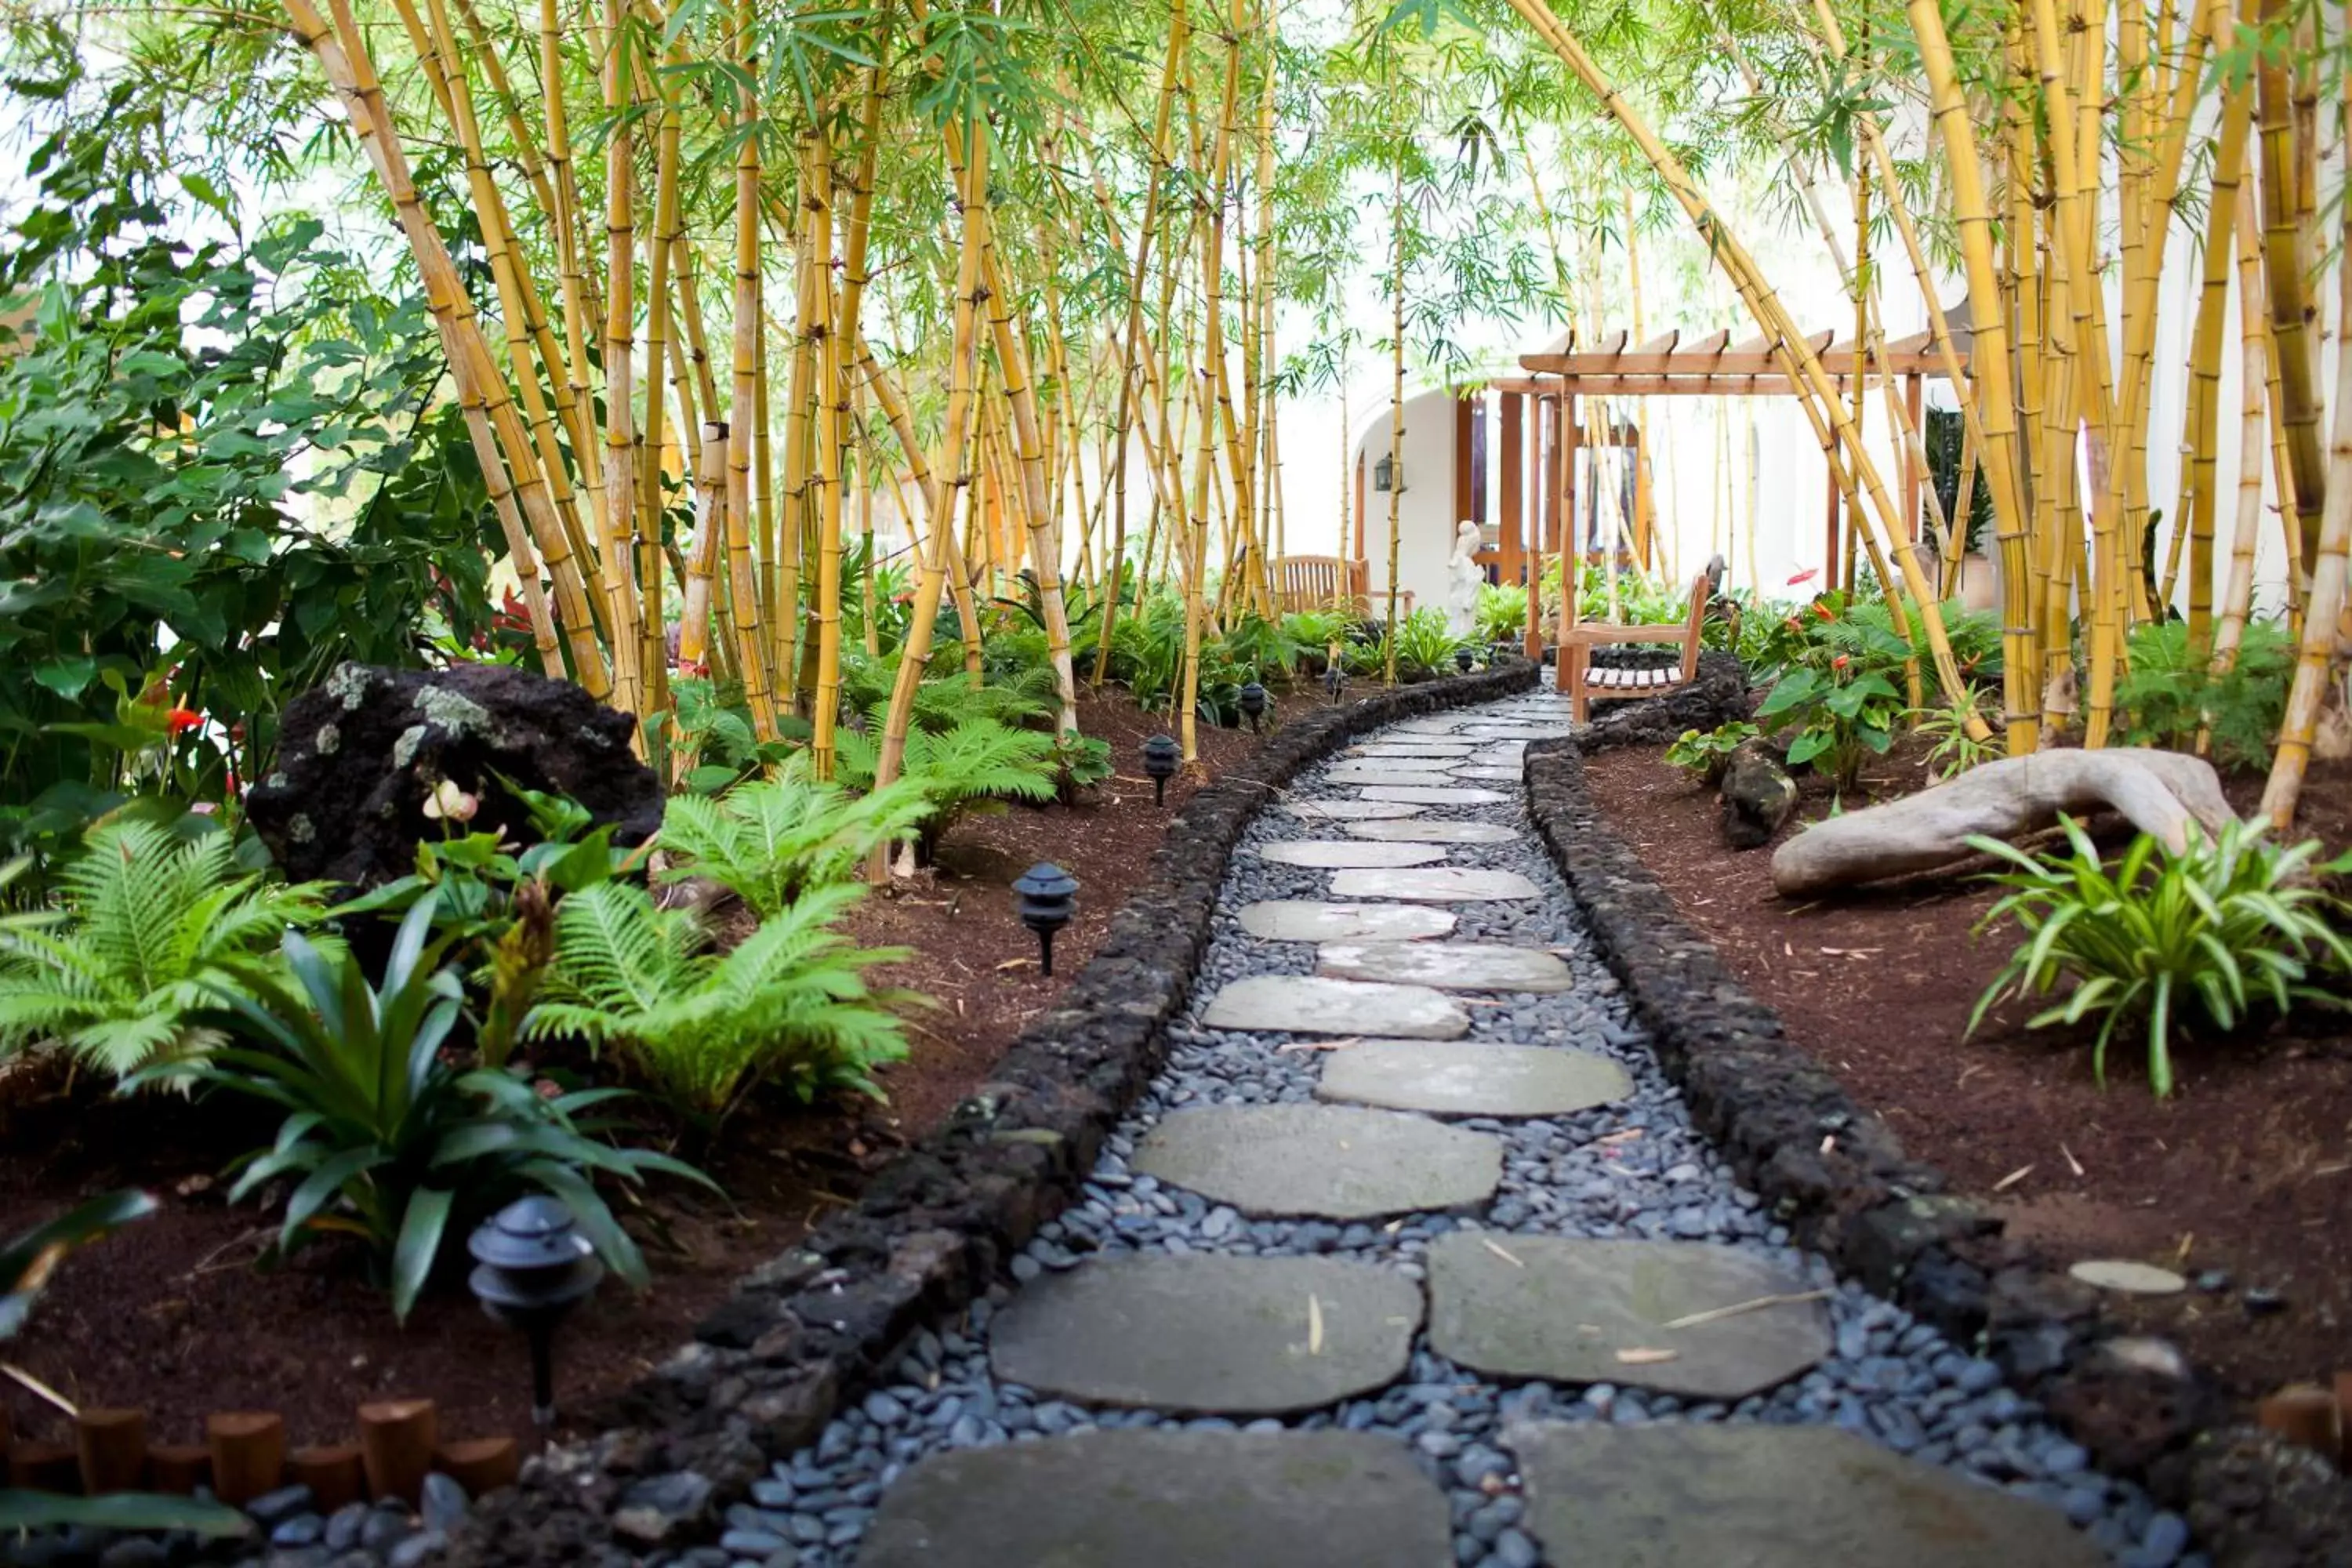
(1314, 1004)
(1490, 773)
(1201, 1334)
(1427, 726)
(1349, 810)
(1433, 830)
(1435, 884)
(1434, 795)
(2130, 1278)
(1596, 1311)
(1448, 966)
(1676, 1493)
(1374, 771)
(1157, 1498)
(1304, 919)
(1467, 1078)
(1333, 854)
(1327, 1162)
(1428, 747)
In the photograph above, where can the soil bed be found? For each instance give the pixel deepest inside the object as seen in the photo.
(171, 1315)
(2246, 1170)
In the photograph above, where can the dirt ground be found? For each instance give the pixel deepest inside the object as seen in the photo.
(2245, 1174)
(172, 1314)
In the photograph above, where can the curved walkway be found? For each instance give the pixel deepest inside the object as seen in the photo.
(1409, 1256)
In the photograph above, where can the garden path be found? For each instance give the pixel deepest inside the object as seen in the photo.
(1299, 1319)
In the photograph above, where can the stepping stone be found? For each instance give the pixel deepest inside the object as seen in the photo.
(1450, 966)
(1595, 1312)
(1324, 1162)
(1311, 1004)
(1329, 854)
(1435, 884)
(2127, 1277)
(1490, 773)
(1374, 771)
(1204, 1333)
(1429, 747)
(1466, 1078)
(1678, 1493)
(1433, 830)
(1304, 919)
(1434, 795)
(1349, 810)
(1159, 1498)
(1427, 727)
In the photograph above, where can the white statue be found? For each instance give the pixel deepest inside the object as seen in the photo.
(1464, 578)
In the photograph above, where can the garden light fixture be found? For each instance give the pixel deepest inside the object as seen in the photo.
(533, 1268)
(1045, 896)
(1161, 756)
(1388, 474)
(1464, 659)
(1253, 701)
(1335, 681)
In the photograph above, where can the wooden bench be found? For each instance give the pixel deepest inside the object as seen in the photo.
(1586, 683)
(1304, 582)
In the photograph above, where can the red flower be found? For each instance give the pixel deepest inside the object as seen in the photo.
(1840, 662)
(1795, 624)
(1823, 611)
(1807, 576)
(180, 719)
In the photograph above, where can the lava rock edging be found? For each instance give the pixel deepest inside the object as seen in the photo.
(805, 1331)
(1839, 1179)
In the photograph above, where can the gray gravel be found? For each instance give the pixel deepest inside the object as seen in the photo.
(1891, 1379)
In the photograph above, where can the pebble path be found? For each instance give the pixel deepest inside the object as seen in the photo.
(1815, 1424)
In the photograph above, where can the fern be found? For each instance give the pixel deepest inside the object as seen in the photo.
(977, 761)
(149, 929)
(769, 842)
(790, 1005)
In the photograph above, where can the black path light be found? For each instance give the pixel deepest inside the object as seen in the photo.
(1335, 681)
(1161, 756)
(534, 1267)
(1045, 896)
(1253, 701)
(1464, 659)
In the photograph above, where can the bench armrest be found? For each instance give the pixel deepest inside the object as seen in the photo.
(1603, 632)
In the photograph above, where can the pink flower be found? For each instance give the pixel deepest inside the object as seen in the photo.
(1807, 576)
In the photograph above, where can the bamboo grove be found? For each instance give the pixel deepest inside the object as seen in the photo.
(717, 281)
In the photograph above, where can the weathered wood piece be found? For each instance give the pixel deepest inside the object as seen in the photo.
(2159, 793)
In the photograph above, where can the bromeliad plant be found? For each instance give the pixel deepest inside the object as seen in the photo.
(2209, 936)
(387, 1140)
(151, 927)
(790, 1005)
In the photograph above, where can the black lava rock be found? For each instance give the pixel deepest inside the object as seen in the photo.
(360, 754)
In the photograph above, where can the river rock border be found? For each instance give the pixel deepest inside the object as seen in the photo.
(806, 1331)
(1840, 1180)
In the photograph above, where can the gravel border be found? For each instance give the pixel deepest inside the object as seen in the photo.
(808, 1332)
(1839, 1178)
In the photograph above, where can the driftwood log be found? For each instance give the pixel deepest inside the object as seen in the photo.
(2159, 793)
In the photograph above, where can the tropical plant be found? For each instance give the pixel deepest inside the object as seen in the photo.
(1706, 754)
(1314, 632)
(1083, 760)
(789, 1005)
(387, 1140)
(1954, 748)
(150, 927)
(2170, 695)
(771, 841)
(1840, 718)
(27, 1263)
(2206, 936)
(1425, 645)
(1501, 615)
(958, 770)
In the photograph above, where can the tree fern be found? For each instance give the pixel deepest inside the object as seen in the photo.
(150, 930)
(790, 1006)
(771, 841)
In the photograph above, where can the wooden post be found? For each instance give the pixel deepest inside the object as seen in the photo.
(479, 1464)
(332, 1472)
(112, 1448)
(44, 1466)
(396, 1438)
(249, 1449)
(179, 1467)
(2305, 1414)
(1511, 513)
(1572, 557)
(1829, 578)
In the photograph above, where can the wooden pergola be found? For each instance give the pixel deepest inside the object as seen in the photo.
(1541, 406)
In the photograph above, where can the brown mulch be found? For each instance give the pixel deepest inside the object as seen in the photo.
(2247, 1170)
(172, 1315)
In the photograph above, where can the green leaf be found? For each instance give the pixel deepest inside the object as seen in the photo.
(22, 1511)
(419, 1244)
(69, 675)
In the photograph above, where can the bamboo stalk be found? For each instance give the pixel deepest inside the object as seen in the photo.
(621, 529)
(2253, 332)
(2283, 276)
(824, 478)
